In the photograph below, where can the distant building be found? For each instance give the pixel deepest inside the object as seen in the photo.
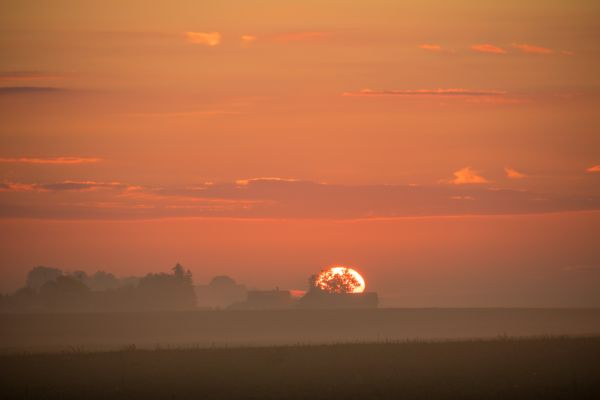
(320, 299)
(221, 292)
(265, 299)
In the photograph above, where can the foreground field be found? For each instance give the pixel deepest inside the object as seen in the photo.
(110, 331)
(553, 368)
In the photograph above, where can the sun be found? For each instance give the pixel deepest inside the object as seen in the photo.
(340, 279)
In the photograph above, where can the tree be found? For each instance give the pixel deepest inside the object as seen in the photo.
(65, 293)
(81, 276)
(312, 282)
(24, 299)
(103, 281)
(167, 291)
(38, 276)
(337, 282)
(181, 274)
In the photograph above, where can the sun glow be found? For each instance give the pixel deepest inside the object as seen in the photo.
(340, 279)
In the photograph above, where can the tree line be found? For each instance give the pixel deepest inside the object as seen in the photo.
(51, 289)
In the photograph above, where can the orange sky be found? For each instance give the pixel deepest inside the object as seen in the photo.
(439, 147)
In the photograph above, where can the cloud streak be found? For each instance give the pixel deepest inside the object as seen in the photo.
(512, 173)
(467, 176)
(210, 39)
(278, 198)
(532, 49)
(12, 90)
(61, 186)
(247, 39)
(25, 75)
(431, 47)
(425, 92)
(50, 160)
(487, 48)
(301, 36)
(594, 168)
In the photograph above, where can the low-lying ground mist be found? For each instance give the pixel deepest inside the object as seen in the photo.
(106, 331)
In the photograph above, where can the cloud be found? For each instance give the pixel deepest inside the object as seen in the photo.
(25, 75)
(431, 47)
(206, 38)
(532, 49)
(189, 113)
(16, 187)
(466, 176)
(301, 36)
(8, 90)
(60, 186)
(277, 198)
(425, 92)
(512, 173)
(248, 38)
(50, 160)
(594, 168)
(79, 185)
(246, 182)
(488, 48)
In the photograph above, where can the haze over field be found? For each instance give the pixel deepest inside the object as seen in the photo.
(447, 150)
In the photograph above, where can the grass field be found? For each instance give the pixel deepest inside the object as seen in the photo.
(110, 331)
(541, 368)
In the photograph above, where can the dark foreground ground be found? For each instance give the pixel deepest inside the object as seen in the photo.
(547, 368)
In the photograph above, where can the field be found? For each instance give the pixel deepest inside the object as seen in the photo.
(552, 368)
(146, 330)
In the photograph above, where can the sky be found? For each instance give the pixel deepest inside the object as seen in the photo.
(447, 150)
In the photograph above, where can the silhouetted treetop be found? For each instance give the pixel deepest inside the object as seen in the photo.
(39, 275)
(167, 291)
(221, 280)
(336, 282)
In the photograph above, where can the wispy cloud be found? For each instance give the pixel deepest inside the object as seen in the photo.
(248, 38)
(301, 36)
(425, 92)
(61, 186)
(278, 198)
(467, 175)
(8, 90)
(16, 187)
(246, 182)
(594, 168)
(210, 39)
(25, 75)
(431, 47)
(487, 48)
(532, 49)
(50, 160)
(206, 113)
(512, 173)
(81, 185)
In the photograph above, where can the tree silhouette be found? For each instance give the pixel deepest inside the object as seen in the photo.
(66, 293)
(312, 283)
(167, 291)
(102, 280)
(337, 282)
(38, 276)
